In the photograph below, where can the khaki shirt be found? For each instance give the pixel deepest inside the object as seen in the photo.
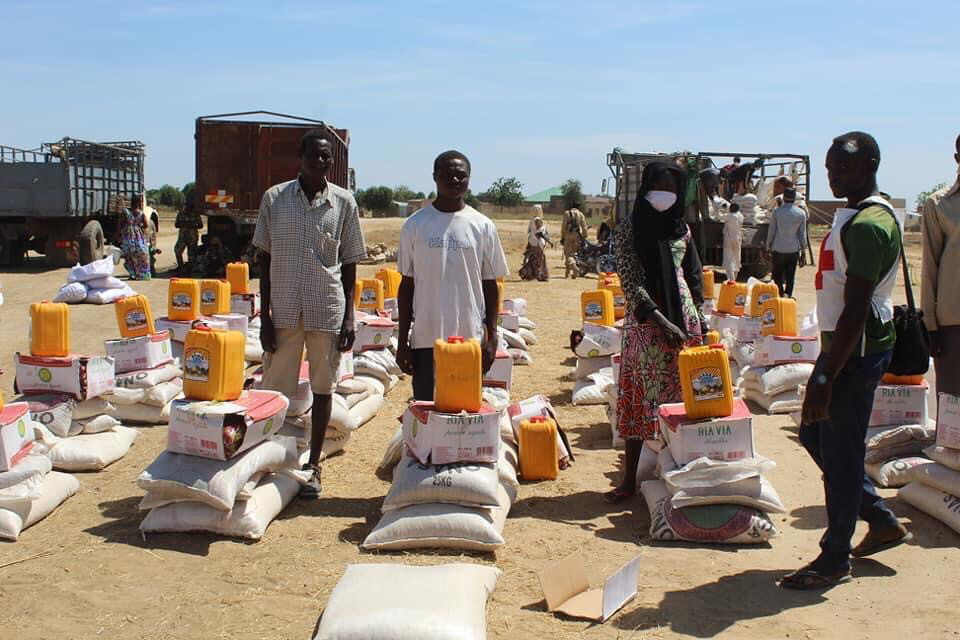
(940, 283)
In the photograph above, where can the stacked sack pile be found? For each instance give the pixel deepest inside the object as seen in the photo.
(94, 284)
(454, 462)
(226, 470)
(516, 330)
(707, 483)
(899, 431)
(597, 343)
(29, 488)
(770, 360)
(453, 484)
(67, 396)
(934, 485)
(148, 377)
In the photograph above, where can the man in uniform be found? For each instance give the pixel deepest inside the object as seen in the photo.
(189, 224)
(572, 234)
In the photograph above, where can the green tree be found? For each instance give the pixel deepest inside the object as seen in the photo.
(166, 196)
(506, 192)
(923, 195)
(470, 199)
(403, 193)
(188, 190)
(572, 191)
(377, 198)
(433, 194)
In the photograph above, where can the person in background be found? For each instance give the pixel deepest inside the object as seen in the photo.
(573, 233)
(858, 265)
(732, 241)
(450, 257)
(940, 281)
(534, 259)
(188, 224)
(787, 239)
(662, 280)
(605, 229)
(309, 241)
(133, 240)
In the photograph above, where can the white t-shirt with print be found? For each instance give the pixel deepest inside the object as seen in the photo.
(449, 255)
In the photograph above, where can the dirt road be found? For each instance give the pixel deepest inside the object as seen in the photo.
(104, 581)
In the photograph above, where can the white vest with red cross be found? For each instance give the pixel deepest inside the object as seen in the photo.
(832, 273)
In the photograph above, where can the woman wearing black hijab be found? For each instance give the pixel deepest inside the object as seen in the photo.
(662, 279)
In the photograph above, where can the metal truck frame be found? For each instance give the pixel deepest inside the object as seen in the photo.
(627, 168)
(237, 159)
(64, 199)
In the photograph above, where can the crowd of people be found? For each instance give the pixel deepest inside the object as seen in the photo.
(309, 240)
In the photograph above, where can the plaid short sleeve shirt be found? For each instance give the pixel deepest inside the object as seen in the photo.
(308, 242)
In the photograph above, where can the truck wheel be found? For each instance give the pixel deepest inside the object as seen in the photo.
(13, 252)
(91, 243)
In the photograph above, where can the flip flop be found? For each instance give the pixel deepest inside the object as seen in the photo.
(864, 551)
(618, 495)
(809, 579)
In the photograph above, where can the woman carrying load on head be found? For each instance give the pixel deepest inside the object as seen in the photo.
(133, 240)
(661, 276)
(534, 258)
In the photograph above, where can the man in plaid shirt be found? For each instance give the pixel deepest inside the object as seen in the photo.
(309, 241)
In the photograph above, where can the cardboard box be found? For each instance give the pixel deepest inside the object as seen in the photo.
(516, 305)
(749, 329)
(509, 321)
(235, 321)
(773, 350)
(246, 303)
(145, 352)
(724, 321)
(444, 438)
(16, 434)
(948, 421)
(392, 308)
(726, 439)
(501, 372)
(196, 428)
(178, 329)
(83, 377)
(566, 589)
(598, 340)
(373, 332)
(537, 406)
(897, 404)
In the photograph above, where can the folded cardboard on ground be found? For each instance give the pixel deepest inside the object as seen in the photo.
(566, 589)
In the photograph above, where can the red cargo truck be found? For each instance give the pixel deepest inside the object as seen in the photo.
(241, 155)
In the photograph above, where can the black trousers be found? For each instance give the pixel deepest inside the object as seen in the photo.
(423, 374)
(784, 271)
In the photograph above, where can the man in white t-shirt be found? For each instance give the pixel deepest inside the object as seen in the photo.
(450, 257)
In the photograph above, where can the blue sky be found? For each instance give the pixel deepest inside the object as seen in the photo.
(537, 90)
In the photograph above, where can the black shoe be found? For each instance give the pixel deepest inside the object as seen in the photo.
(314, 487)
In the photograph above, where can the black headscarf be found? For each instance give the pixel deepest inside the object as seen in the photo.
(653, 230)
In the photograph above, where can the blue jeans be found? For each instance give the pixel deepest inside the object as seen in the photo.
(837, 446)
(423, 374)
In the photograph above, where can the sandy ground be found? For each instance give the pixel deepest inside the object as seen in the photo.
(104, 580)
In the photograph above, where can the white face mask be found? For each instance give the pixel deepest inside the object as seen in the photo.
(661, 200)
